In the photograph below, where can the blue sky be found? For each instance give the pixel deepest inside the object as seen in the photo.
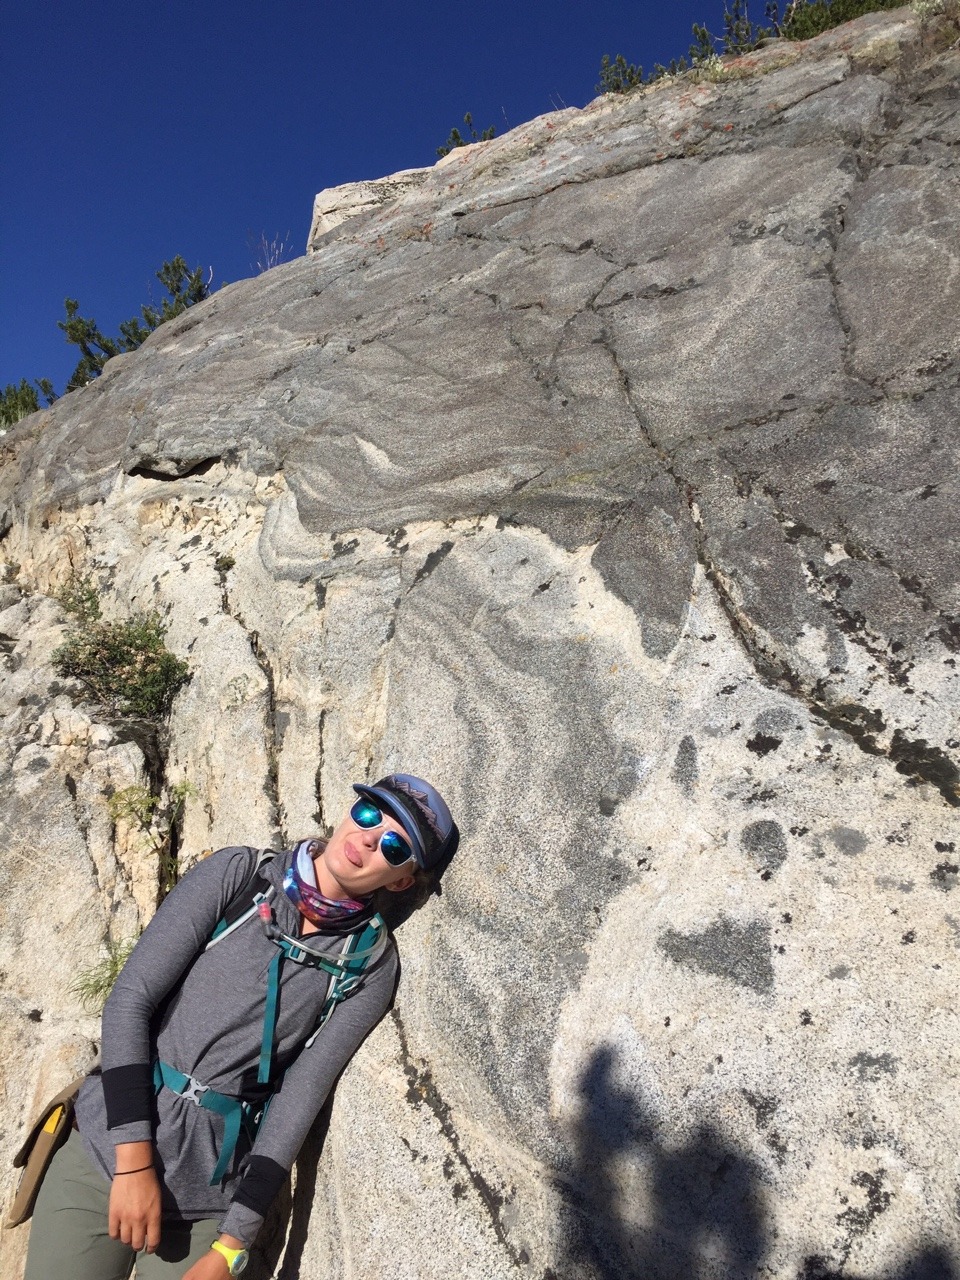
(130, 133)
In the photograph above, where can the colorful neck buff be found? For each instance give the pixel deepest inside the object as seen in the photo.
(300, 886)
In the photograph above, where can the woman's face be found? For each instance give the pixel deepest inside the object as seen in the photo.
(352, 865)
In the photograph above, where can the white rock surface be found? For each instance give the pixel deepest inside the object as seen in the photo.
(336, 205)
(608, 476)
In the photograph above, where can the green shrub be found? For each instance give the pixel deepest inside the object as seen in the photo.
(93, 985)
(78, 597)
(617, 75)
(125, 665)
(457, 139)
(803, 21)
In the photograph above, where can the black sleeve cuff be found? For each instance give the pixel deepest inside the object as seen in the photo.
(128, 1094)
(261, 1181)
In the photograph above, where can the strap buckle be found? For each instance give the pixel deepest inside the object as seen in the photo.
(194, 1091)
(293, 952)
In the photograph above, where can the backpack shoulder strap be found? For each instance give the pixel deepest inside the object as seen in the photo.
(242, 905)
(360, 950)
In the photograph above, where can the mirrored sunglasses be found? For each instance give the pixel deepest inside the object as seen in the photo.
(394, 848)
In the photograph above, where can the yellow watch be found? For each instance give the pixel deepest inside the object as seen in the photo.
(237, 1259)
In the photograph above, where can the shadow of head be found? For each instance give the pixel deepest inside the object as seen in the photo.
(644, 1206)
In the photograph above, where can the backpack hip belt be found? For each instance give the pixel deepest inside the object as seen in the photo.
(235, 1111)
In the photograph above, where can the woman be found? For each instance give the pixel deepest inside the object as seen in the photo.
(247, 994)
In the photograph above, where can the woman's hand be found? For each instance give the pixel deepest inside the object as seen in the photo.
(135, 1209)
(213, 1265)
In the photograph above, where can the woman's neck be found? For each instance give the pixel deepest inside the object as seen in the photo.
(328, 886)
(326, 883)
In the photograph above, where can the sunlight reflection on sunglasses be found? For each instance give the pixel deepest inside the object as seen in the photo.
(394, 848)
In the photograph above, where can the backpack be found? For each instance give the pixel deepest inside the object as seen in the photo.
(360, 950)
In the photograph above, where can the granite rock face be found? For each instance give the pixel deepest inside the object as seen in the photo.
(336, 205)
(608, 477)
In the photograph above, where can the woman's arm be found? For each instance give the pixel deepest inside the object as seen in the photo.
(170, 943)
(179, 930)
(302, 1093)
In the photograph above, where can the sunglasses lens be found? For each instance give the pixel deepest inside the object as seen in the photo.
(366, 815)
(395, 849)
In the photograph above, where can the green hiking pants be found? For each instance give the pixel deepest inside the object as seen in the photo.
(68, 1232)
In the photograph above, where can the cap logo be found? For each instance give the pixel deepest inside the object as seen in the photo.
(422, 801)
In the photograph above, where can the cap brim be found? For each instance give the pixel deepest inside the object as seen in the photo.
(394, 806)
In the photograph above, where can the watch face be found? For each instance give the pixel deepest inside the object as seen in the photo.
(239, 1263)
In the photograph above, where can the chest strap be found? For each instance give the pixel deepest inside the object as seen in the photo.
(235, 1111)
(346, 973)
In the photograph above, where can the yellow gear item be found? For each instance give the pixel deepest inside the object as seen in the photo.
(53, 1120)
(232, 1256)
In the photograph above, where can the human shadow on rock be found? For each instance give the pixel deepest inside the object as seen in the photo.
(929, 1264)
(702, 1216)
(702, 1197)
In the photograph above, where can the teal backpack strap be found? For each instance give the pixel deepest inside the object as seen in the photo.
(270, 1017)
(235, 1111)
(359, 951)
(346, 972)
(241, 908)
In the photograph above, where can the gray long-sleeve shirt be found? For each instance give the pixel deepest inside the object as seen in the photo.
(202, 1012)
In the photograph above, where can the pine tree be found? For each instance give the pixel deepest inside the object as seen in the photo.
(18, 400)
(617, 75)
(95, 348)
(457, 139)
(185, 288)
(739, 33)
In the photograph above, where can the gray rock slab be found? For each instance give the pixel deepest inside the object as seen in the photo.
(898, 219)
(606, 476)
(855, 111)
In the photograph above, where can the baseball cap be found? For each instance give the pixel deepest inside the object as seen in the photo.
(421, 811)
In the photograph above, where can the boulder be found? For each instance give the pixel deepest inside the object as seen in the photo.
(608, 477)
